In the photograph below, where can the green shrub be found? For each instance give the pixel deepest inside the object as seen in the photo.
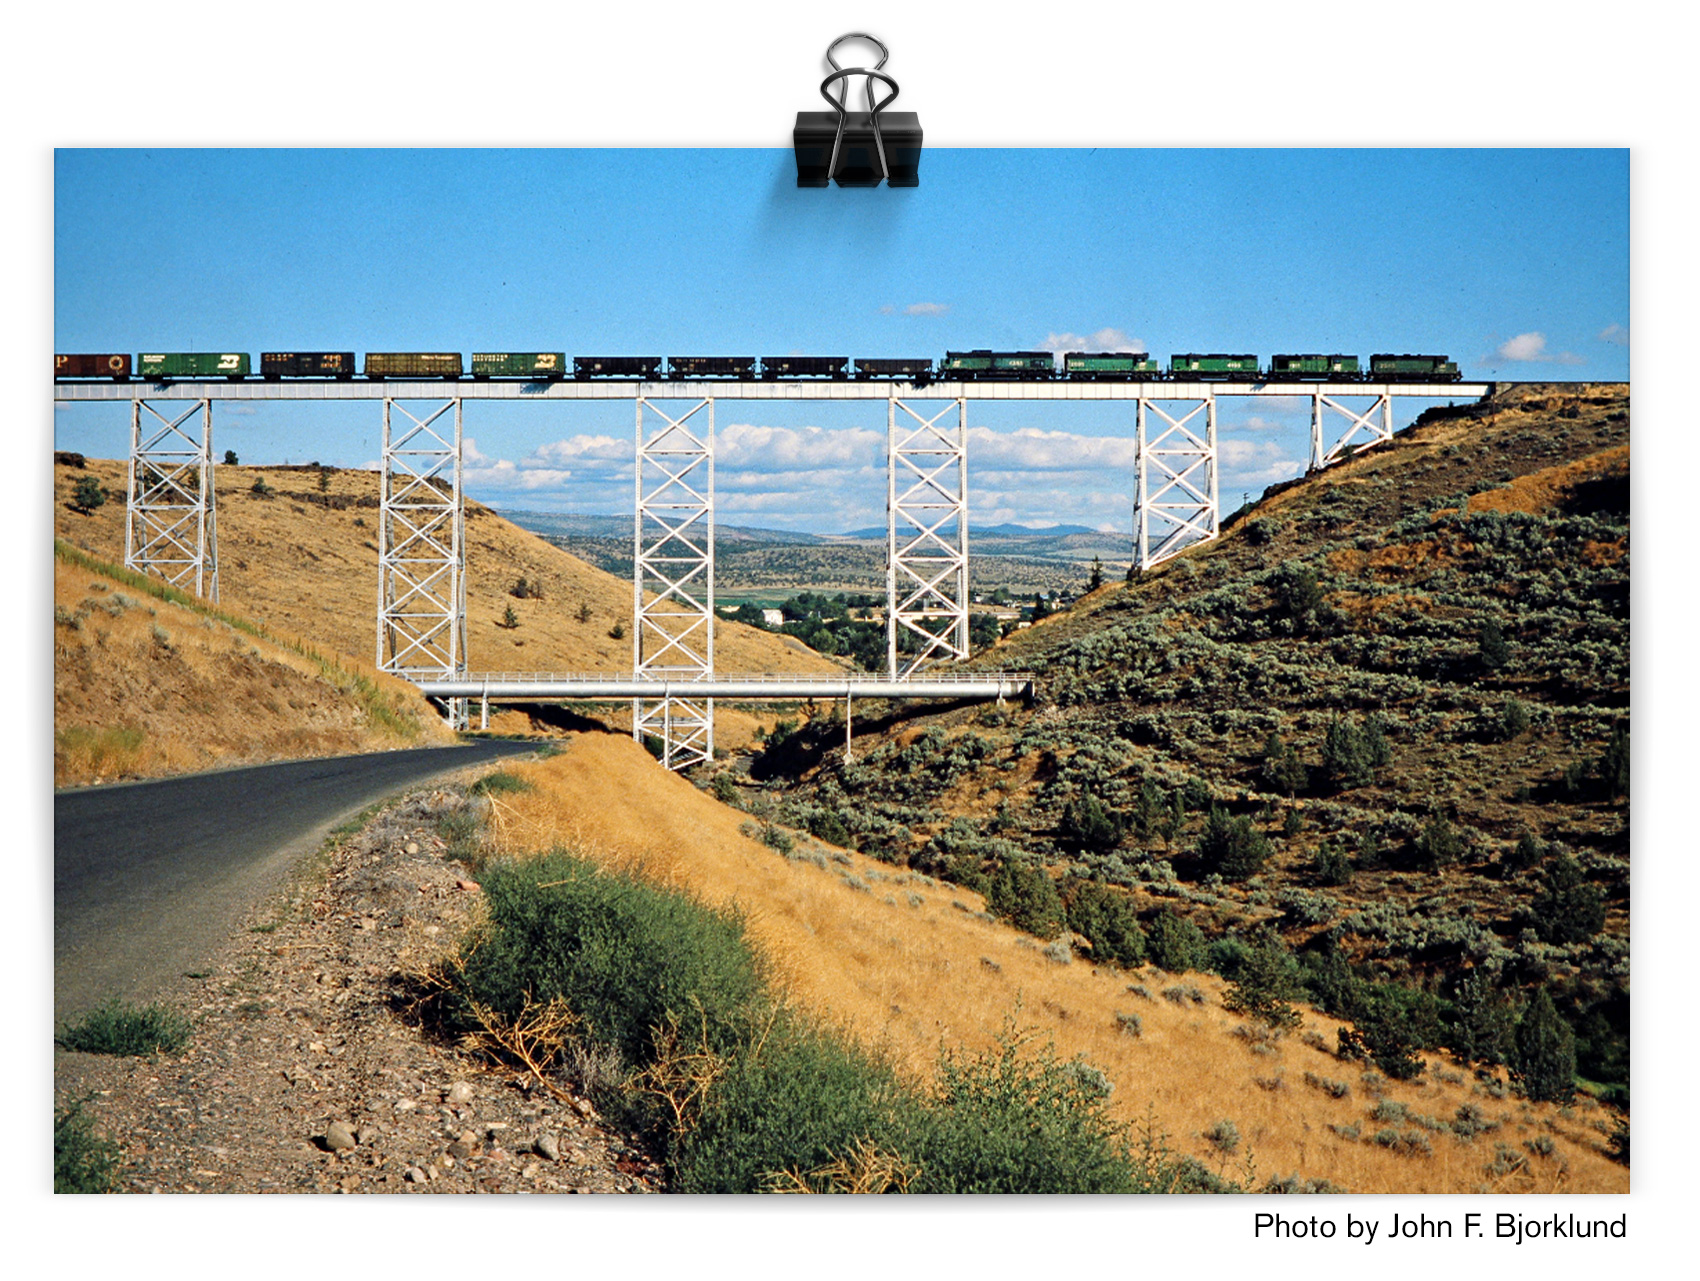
(1333, 866)
(1026, 897)
(82, 1161)
(1492, 650)
(1017, 1120)
(120, 1028)
(1106, 919)
(791, 1099)
(1567, 909)
(1231, 846)
(1282, 769)
(1088, 823)
(88, 495)
(625, 955)
(1544, 1056)
(500, 781)
(1266, 979)
(1174, 943)
(1438, 844)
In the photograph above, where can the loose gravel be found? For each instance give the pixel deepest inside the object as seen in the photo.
(304, 1073)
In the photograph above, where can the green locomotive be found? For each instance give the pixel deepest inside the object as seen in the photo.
(1092, 365)
(1213, 366)
(1385, 367)
(998, 364)
(1287, 367)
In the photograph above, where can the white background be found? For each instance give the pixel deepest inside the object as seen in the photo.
(734, 74)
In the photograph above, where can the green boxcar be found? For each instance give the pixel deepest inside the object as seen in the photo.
(1313, 366)
(1412, 368)
(194, 364)
(1214, 365)
(521, 364)
(413, 364)
(1108, 364)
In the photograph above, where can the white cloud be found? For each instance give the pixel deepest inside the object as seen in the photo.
(746, 445)
(926, 309)
(1106, 339)
(1524, 347)
(1533, 347)
(1617, 335)
(1032, 449)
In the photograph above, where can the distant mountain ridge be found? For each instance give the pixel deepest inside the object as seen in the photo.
(574, 525)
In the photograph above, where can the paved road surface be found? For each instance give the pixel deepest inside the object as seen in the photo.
(148, 878)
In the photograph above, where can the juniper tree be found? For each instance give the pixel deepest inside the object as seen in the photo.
(1544, 1057)
(1282, 768)
(88, 495)
(1231, 846)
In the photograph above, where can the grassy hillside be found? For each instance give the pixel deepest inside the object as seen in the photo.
(907, 965)
(149, 682)
(305, 561)
(1372, 745)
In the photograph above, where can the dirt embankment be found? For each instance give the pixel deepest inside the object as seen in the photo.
(145, 687)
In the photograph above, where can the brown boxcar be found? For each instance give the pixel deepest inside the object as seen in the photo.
(413, 364)
(102, 366)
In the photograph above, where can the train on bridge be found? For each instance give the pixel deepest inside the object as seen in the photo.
(956, 366)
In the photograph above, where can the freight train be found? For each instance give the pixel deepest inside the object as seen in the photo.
(957, 366)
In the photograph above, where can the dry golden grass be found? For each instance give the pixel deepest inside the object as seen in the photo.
(145, 687)
(302, 568)
(909, 977)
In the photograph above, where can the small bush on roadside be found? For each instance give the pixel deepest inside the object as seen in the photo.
(82, 1161)
(500, 781)
(123, 1029)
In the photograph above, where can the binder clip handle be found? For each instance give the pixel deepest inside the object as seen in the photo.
(865, 149)
(874, 109)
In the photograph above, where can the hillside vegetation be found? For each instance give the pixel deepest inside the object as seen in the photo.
(148, 682)
(1370, 751)
(305, 560)
(911, 967)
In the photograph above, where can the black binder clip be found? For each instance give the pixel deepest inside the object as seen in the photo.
(857, 148)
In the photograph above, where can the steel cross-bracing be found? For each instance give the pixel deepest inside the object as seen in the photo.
(171, 510)
(1376, 424)
(1175, 495)
(673, 578)
(422, 546)
(926, 575)
(422, 593)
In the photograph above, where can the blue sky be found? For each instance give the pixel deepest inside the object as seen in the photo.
(1514, 262)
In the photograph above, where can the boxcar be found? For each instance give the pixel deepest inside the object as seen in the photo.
(1214, 365)
(616, 366)
(523, 364)
(307, 364)
(804, 366)
(194, 364)
(116, 365)
(711, 366)
(880, 367)
(1285, 367)
(413, 364)
(1116, 365)
(1385, 367)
